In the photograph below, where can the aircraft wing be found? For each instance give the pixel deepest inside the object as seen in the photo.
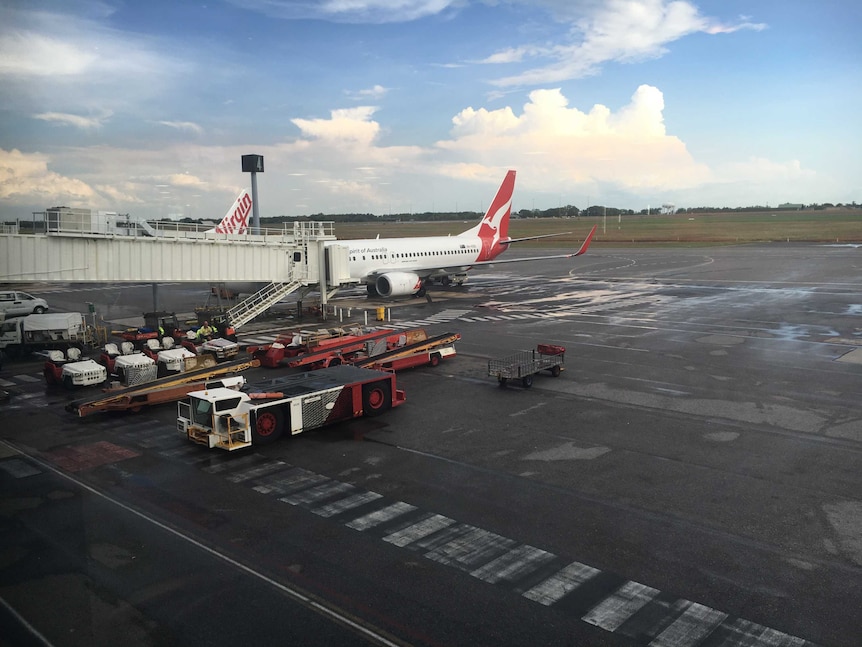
(584, 246)
(520, 240)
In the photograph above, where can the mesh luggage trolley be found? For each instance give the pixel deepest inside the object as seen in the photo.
(524, 364)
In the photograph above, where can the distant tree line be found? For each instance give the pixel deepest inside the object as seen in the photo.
(568, 211)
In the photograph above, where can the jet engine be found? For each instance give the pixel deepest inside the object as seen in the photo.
(398, 284)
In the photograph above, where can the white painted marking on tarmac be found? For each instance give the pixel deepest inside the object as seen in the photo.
(695, 624)
(470, 549)
(256, 472)
(34, 633)
(613, 611)
(383, 515)
(26, 378)
(568, 452)
(419, 530)
(322, 491)
(560, 583)
(527, 410)
(514, 565)
(495, 558)
(353, 501)
(32, 396)
(751, 634)
(230, 463)
(444, 536)
(296, 479)
(329, 611)
(6, 383)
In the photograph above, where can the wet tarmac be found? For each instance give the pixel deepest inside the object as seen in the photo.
(691, 478)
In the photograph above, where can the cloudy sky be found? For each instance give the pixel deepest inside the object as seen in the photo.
(390, 106)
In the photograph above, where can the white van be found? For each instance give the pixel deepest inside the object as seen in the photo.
(16, 304)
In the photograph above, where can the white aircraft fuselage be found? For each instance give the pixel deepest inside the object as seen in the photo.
(399, 266)
(392, 267)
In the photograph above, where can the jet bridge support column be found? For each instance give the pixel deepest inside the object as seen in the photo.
(321, 270)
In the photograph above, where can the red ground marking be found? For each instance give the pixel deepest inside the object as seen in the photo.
(84, 457)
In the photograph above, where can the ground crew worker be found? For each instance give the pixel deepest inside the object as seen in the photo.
(206, 331)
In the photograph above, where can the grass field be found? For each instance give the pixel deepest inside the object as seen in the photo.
(838, 225)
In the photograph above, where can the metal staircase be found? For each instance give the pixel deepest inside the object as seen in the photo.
(251, 307)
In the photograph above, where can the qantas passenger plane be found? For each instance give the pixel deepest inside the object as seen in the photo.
(391, 267)
(404, 266)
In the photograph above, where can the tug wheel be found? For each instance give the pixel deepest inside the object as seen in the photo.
(268, 426)
(376, 398)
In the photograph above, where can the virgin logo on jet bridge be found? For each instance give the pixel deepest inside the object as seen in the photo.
(237, 221)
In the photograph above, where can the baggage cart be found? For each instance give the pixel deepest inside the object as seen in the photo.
(524, 364)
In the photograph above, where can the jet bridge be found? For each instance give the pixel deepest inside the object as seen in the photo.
(70, 250)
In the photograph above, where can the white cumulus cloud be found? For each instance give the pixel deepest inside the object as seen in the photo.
(26, 176)
(561, 145)
(346, 125)
(624, 31)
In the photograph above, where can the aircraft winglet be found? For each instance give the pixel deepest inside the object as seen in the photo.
(586, 243)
